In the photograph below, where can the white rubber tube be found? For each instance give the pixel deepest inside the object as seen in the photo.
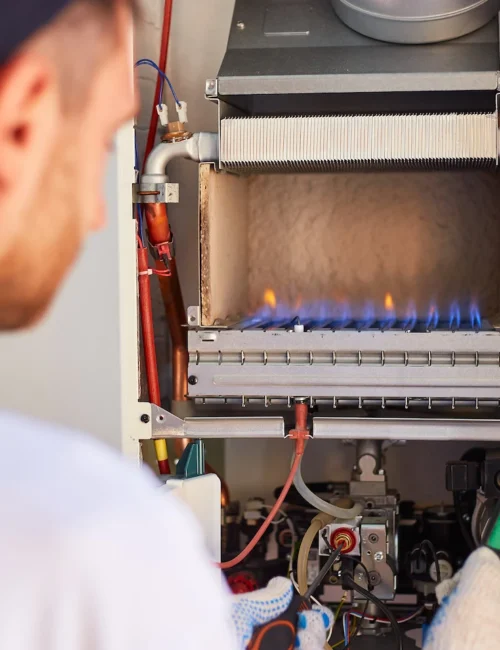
(321, 504)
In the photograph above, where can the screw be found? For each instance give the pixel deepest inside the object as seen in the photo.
(379, 556)
(240, 25)
(145, 418)
(373, 538)
(361, 576)
(193, 380)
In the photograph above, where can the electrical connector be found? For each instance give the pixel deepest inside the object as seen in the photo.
(182, 114)
(162, 111)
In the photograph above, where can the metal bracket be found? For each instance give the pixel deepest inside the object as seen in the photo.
(155, 193)
(211, 89)
(194, 316)
(167, 425)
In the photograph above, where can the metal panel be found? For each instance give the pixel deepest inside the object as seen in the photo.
(328, 57)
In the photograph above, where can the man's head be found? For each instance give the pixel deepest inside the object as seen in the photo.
(63, 94)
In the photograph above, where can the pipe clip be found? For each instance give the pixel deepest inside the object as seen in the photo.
(155, 193)
(164, 251)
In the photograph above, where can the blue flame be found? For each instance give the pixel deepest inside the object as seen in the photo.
(432, 318)
(328, 314)
(475, 317)
(410, 320)
(454, 321)
(368, 318)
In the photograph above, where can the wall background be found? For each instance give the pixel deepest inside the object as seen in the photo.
(70, 369)
(199, 35)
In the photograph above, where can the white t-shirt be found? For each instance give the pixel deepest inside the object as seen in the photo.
(92, 557)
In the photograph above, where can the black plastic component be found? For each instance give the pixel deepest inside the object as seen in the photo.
(462, 476)
(465, 476)
(348, 567)
(491, 478)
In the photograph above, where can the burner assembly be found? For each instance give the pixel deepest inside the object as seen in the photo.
(332, 100)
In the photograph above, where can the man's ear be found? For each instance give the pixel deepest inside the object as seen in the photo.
(30, 111)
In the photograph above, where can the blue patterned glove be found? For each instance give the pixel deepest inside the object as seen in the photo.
(312, 628)
(259, 607)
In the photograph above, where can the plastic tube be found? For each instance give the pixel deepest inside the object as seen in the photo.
(320, 521)
(321, 504)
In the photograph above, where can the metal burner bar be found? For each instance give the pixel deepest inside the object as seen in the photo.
(372, 325)
(405, 429)
(344, 364)
(412, 405)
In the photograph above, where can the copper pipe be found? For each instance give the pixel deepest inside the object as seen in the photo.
(148, 338)
(159, 232)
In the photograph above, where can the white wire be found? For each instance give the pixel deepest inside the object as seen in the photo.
(283, 514)
(345, 626)
(386, 622)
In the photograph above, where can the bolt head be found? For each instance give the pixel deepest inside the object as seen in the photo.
(240, 25)
(145, 418)
(379, 556)
(375, 578)
(192, 380)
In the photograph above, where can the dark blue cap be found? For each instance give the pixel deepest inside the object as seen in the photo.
(21, 18)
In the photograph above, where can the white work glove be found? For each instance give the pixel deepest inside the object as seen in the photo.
(312, 628)
(259, 607)
(469, 615)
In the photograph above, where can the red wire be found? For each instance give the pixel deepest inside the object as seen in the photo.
(299, 450)
(162, 64)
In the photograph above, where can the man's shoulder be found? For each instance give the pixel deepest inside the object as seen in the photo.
(64, 475)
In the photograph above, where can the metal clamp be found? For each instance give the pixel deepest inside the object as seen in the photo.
(164, 251)
(155, 193)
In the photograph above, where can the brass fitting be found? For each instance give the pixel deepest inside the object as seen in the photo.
(176, 132)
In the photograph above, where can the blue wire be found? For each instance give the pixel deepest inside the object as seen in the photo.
(163, 78)
(346, 629)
